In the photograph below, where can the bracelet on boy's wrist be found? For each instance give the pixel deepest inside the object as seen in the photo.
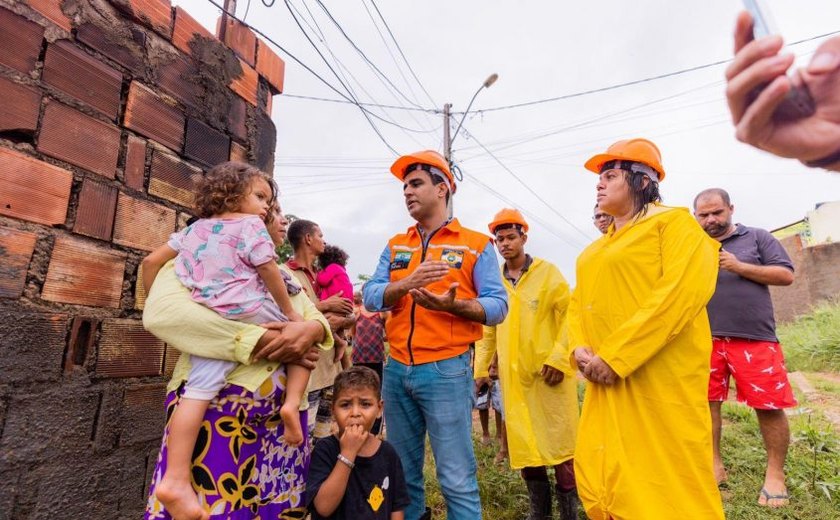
(347, 462)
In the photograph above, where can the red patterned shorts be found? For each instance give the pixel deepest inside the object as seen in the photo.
(758, 368)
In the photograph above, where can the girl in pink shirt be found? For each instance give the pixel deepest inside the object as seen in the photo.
(227, 260)
(333, 278)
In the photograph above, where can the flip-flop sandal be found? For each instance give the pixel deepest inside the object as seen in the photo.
(768, 497)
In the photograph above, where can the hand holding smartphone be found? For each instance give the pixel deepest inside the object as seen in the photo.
(798, 103)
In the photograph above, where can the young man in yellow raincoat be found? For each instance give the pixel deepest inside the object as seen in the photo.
(639, 332)
(539, 390)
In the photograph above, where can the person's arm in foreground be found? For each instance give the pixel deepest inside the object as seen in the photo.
(758, 62)
(172, 315)
(153, 263)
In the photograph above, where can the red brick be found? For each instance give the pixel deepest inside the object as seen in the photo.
(77, 73)
(146, 113)
(178, 77)
(236, 119)
(17, 247)
(156, 14)
(20, 41)
(127, 350)
(20, 107)
(95, 216)
(33, 190)
(173, 179)
(205, 144)
(83, 274)
(271, 67)
(51, 10)
(72, 136)
(246, 83)
(187, 29)
(142, 224)
(128, 53)
(135, 163)
(238, 152)
(240, 39)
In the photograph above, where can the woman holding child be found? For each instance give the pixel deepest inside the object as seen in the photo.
(242, 466)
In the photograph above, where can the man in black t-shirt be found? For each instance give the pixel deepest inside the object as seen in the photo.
(745, 345)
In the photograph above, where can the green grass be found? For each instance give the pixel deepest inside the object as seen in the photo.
(812, 342)
(813, 471)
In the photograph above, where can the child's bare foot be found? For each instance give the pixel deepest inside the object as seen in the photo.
(292, 431)
(485, 439)
(180, 500)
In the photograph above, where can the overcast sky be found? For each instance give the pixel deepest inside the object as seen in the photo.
(333, 169)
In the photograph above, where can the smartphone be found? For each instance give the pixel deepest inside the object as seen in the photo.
(798, 103)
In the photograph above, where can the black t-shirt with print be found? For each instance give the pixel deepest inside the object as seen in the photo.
(376, 487)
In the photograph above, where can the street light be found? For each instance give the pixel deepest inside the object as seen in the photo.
(448, 144)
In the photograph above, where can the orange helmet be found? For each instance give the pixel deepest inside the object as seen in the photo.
(507, 216)
(427, 158)
(636, 150)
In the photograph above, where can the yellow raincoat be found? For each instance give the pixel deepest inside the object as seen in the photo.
(644, 451)
(541, 420)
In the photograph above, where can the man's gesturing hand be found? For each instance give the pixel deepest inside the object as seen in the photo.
(435, 302)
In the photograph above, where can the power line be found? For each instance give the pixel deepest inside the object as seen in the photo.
(363, 55)
(530, 190)
(399, 49)
(527, 213)
(301, 63)
(377, 105)
(365, 112)
(635, 82)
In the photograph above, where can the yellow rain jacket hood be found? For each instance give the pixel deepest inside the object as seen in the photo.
(541, 420)
(645, 443)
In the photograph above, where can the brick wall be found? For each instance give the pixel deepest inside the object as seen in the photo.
(817, 278)
(111, 109)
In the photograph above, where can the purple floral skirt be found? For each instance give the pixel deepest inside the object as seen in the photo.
(242, 468)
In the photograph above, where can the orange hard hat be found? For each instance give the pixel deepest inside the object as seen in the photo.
(427, 158)
(636, 150)
(507, 216)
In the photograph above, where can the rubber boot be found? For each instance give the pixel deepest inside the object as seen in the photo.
(539, 491)
(569, 504)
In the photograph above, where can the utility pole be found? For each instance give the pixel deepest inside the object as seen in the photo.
(447, 142)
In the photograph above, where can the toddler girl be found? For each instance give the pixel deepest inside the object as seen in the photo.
(228, 261)
(333, 278)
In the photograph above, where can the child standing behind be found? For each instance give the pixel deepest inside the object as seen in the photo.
(333, 278)
(228, 261)
(354, 475)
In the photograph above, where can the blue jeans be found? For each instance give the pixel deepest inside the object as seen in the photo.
(435, 397)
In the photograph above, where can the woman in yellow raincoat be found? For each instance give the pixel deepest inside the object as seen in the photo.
(539, 390)
(639, 332)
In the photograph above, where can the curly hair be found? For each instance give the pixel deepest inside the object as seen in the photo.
(332, 255)
(224, 187)
(358, 377)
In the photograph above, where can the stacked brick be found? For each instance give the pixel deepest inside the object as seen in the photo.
(111, 110)
(817, 278)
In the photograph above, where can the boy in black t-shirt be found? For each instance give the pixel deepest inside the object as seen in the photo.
(354, 475)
